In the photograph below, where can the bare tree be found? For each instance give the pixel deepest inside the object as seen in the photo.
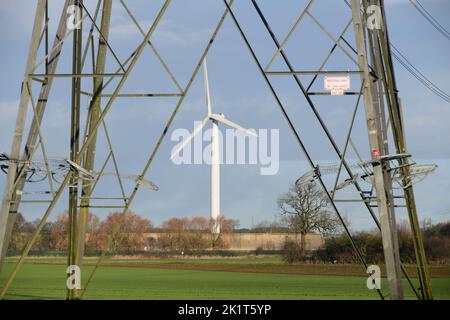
(194, 233)
(59, 232)
(94, 235)
(131, 234)
(227, 226)
(305, 208)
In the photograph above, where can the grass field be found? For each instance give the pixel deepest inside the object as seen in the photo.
(236, 278)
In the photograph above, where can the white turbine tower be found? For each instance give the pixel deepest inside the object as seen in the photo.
(215, 150)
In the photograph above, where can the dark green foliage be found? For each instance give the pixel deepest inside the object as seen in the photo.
(339, 249)
(292, 252)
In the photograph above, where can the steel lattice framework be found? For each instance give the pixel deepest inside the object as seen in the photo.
(369, 57)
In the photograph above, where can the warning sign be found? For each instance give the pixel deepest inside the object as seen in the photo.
(376, 153)
(336, 85)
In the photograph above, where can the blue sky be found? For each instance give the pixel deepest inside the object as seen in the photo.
(239, 91)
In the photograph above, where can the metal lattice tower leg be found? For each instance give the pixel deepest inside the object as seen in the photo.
(381, 51)
(382, 182)
(72, 242)
(8, 194)
(11, 204)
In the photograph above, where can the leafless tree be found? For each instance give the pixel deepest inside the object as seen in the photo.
(305, 209)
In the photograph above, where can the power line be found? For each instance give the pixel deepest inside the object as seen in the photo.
(400, 57)
(429, 17)
(404, 62)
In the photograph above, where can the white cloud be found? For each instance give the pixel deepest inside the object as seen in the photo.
(166, 35)
(125, 30)
(22, 13)
(170, 33)
(394, 2)
(8, 109)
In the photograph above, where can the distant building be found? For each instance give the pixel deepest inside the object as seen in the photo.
(249, 241)
(269, 241)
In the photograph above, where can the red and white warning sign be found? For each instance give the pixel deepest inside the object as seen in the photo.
(336, 85)
(376, 153)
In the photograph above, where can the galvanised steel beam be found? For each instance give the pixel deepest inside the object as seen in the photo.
(20, 124)
(381, 176)
(381, 38)
(94, 112)
(72, 235)
(30, 146)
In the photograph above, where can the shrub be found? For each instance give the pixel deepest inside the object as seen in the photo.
(292, 252)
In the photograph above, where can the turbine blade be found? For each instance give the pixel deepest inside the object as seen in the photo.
(190, 137)
(208, 97)
(231, 124)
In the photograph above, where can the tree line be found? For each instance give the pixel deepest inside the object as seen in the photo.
(305, 209)
(338, 248)
(174, 234)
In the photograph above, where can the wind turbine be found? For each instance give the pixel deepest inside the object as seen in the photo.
(215, 150)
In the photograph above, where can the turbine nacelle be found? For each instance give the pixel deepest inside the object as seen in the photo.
(218, 118)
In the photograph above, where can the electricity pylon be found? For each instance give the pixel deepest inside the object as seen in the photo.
(369, 57)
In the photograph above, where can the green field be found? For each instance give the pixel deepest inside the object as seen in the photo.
(237, 278)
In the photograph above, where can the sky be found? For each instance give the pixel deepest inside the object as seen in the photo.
(239, 91)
